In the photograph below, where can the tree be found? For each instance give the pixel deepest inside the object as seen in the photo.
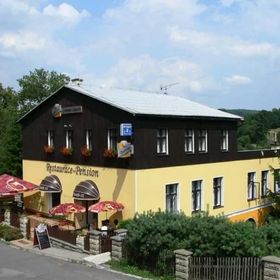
(34, 88)
(38, 85)
(10, 135)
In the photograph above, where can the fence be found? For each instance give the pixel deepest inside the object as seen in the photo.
(64, 235)
(230, 268)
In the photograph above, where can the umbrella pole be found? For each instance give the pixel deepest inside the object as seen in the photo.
(87, 225)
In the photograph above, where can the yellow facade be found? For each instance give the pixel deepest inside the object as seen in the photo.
(144, 190)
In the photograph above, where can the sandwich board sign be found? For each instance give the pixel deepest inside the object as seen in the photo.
(41, 237)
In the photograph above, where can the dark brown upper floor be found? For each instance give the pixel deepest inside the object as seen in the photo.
(98, 116)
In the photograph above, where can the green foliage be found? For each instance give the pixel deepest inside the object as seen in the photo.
(38, 85)
(9, 233)
(152, 238)
(34, 87)
(252, 133)
(133, 270)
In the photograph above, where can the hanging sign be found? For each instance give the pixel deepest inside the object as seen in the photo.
(124, 149)
(126, 129)
(41, 237)
(58, 110)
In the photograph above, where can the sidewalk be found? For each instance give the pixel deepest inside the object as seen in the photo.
(62, 254)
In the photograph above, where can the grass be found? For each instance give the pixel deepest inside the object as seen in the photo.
(123, 266)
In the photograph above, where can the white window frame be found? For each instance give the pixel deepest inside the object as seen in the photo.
(189, 141)
(69, 139)
(50, 138)
(173, 196)
(251, 186)
(220, 188)
(224, 140)
(89, 139)
(265, 183)
(162, 141)
(202, 140)
(198, 206)
(276, 182)
(112, 139)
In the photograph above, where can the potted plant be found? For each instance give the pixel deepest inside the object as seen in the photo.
(66, 151)
(109, 153)
(48, 149)
(86, 152)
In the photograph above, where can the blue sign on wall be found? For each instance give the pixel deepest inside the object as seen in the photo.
(126, 129)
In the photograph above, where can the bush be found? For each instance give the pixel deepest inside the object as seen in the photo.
(8, 233)
(152, 238)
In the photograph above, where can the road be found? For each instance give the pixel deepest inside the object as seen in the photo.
(16, 264)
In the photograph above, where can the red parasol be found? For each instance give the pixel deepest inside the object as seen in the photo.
(67, 208)
(105, 206)
(10, 185)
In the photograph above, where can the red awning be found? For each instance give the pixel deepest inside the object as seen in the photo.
(10, 185)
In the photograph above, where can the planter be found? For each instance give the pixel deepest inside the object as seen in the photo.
(66, 151)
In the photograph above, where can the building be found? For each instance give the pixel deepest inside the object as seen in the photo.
(148, 151)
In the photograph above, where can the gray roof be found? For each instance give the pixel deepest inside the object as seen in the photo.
(146, 103)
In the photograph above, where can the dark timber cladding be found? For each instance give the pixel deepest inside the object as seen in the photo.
(97, 116)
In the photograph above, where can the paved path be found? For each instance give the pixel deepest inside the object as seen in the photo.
(17, 264)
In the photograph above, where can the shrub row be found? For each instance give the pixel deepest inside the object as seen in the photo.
(152, 238)
(8, 233)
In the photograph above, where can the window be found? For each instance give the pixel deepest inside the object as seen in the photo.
(171, 198)
(162, 141)
(224, 140)
(112, 138)
(50, 140)
(69, 139)
(217, 191)
(189, 141)
(252, 191)
(264, 186)
(276, 174)
(89, 139)
(202, 140)
(196, 195)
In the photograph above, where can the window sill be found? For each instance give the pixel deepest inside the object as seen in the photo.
(202, 152)
(224, 151)
(162, 155)
(218, 206)
(251, 199)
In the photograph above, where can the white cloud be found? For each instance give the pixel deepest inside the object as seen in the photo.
(238, 80)
(18, 7)
(249, 49)
(22, 41)
(65, 12)
(147, 73)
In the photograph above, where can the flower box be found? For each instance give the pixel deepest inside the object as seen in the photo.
(48, 149)
(86, 152)
(66, 151)
(109, 153)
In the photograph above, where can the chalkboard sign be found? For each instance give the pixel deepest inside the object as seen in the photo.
(41, 237)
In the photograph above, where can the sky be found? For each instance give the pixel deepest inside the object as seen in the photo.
(221, 53)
